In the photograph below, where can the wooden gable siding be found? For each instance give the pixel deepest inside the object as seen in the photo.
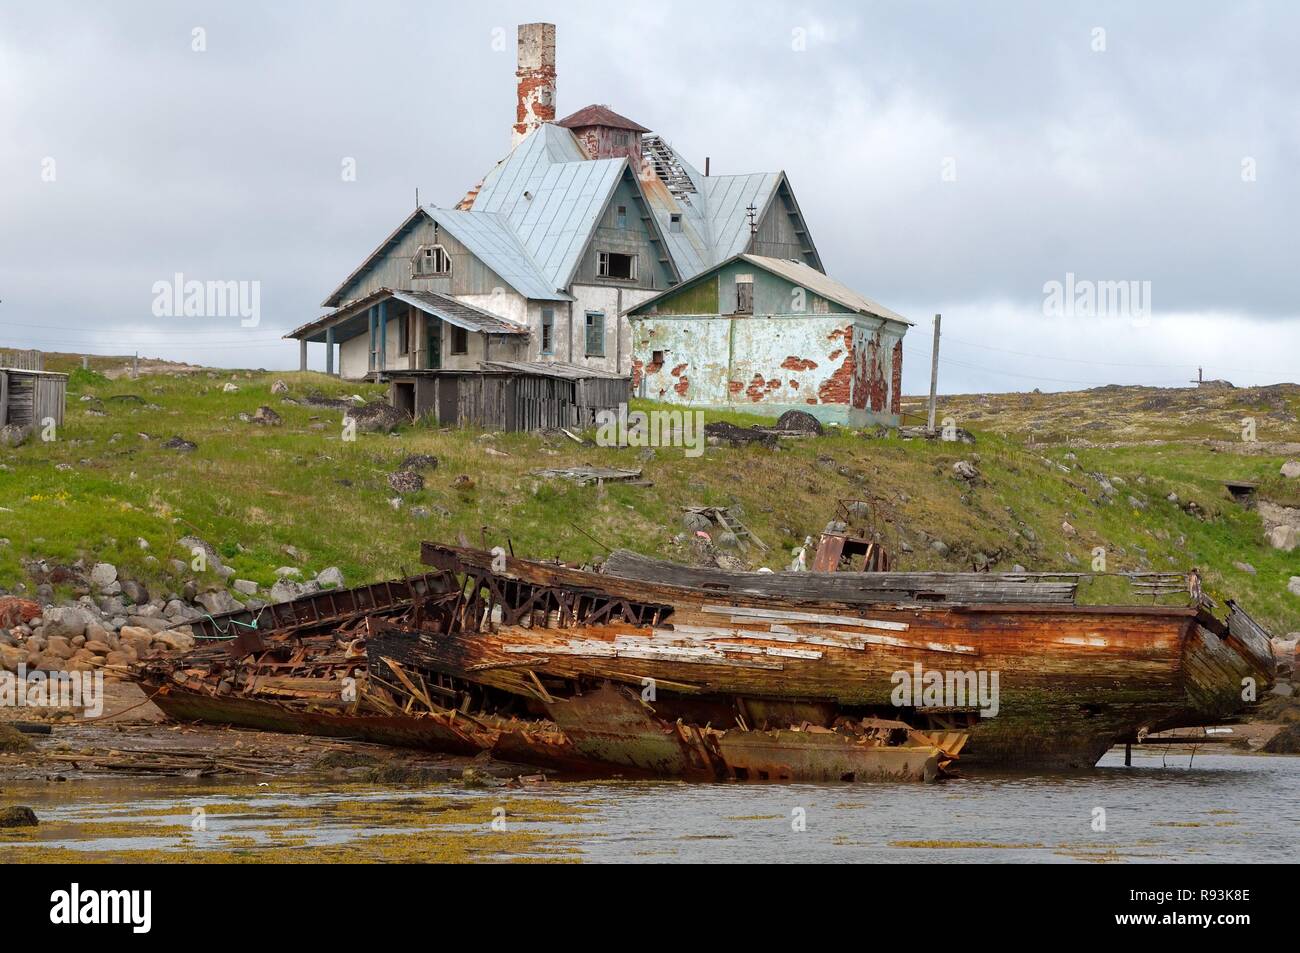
(393, 270)
(776, 236)
(634, 239)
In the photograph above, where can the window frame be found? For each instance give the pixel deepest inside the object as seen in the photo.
(435, 253)
(587, 337)
(547, 337)
(459, 344)
(603, 259)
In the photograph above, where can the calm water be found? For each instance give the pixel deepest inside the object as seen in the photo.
(1166, 808)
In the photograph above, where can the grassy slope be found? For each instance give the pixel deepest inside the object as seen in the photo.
(251, 491)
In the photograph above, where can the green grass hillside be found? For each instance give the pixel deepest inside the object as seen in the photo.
(257, 493)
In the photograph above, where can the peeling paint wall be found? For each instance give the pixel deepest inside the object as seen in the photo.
(838, 367)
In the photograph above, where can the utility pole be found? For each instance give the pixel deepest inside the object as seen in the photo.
(934, 373)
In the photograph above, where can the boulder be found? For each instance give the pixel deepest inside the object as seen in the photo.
(1293, 586)
(965, 470)
(418, 461)
(800, 421)
(102, 575)
(13, 435)
(279, 387)
(229, 388)
(331, 578)
(59, 647)
(406, 481)
(245, 586)
(135, 591)
(178, 442)
(18, 816)
(137, 637)
(175, 641)
(377, 417)
(1291, 469)
(64, 621)
(1244, 567)
(217, 601)
(1285, 537)
(267, 417)
(286, 590)
(1068, 530)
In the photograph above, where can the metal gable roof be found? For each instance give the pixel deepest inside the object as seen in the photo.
(552, 206)
(821, 284)
(489, 236)
(458, 312)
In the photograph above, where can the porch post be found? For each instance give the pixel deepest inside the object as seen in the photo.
(383, 335)
(329, 350)
(370, 347)
(302, 354)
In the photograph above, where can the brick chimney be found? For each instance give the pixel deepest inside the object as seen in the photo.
(536, 74)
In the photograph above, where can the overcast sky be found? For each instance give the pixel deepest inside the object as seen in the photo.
(949, 157)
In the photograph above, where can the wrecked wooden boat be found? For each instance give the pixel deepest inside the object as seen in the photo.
(656, 668)
(361, 675)
(1071, 679)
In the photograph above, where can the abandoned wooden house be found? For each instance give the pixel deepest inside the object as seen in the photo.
(772, 335)
(30, 396)
(539, 262)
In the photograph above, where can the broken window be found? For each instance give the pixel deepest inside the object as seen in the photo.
(459, 340)
(675, 222)
(431, 260)
(612, 264)
(744, 294)
(548, 330)
(622, 216)
(595, 334)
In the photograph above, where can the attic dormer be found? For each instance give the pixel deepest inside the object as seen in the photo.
(604, 134)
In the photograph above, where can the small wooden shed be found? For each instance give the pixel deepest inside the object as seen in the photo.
(30, 395)
(510, 395)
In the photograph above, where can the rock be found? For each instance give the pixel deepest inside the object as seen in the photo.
(103, 574)
(59, 647)
(210, 555)
(696, 522)
(1291, 469)
(965, 470)
(1245, 567)
(1137, 504)
(18, 816)
(135, 591)
(939, 547)
(279, 387)
(65, 622)
(418, 461)
(152, 623)
(1172, 497)
(229, 388)
(377, 417)
(286, 591)
(406, 481)
(11, 656)
(245, 586)
(1068, 530)
(180, 443)
(177, 567)
(175, 641)
(799, 420)
(1285, 537)
(137, 637)
(284, 571)
(267, 417)
(463, 482)
(217, 601)
(727, 540)
(1293, 586)
(1283, 689)
(331, 578)
(97, 647)
(13, 435)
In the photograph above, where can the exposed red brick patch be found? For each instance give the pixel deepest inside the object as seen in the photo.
(735, 386)
(838, 388)
(677, 371)
(793, 363)
(636, 374)
(656, 363)
(835, 354)
(896, 398)
(755, 391)
(794, 384)
(682, 384)
(810, 400)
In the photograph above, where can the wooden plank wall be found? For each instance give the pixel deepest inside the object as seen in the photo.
(523, 401)
(29, 398)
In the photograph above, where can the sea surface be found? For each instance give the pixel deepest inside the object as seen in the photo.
(1169, 807)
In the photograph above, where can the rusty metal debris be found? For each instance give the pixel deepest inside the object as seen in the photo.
(651, 668)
